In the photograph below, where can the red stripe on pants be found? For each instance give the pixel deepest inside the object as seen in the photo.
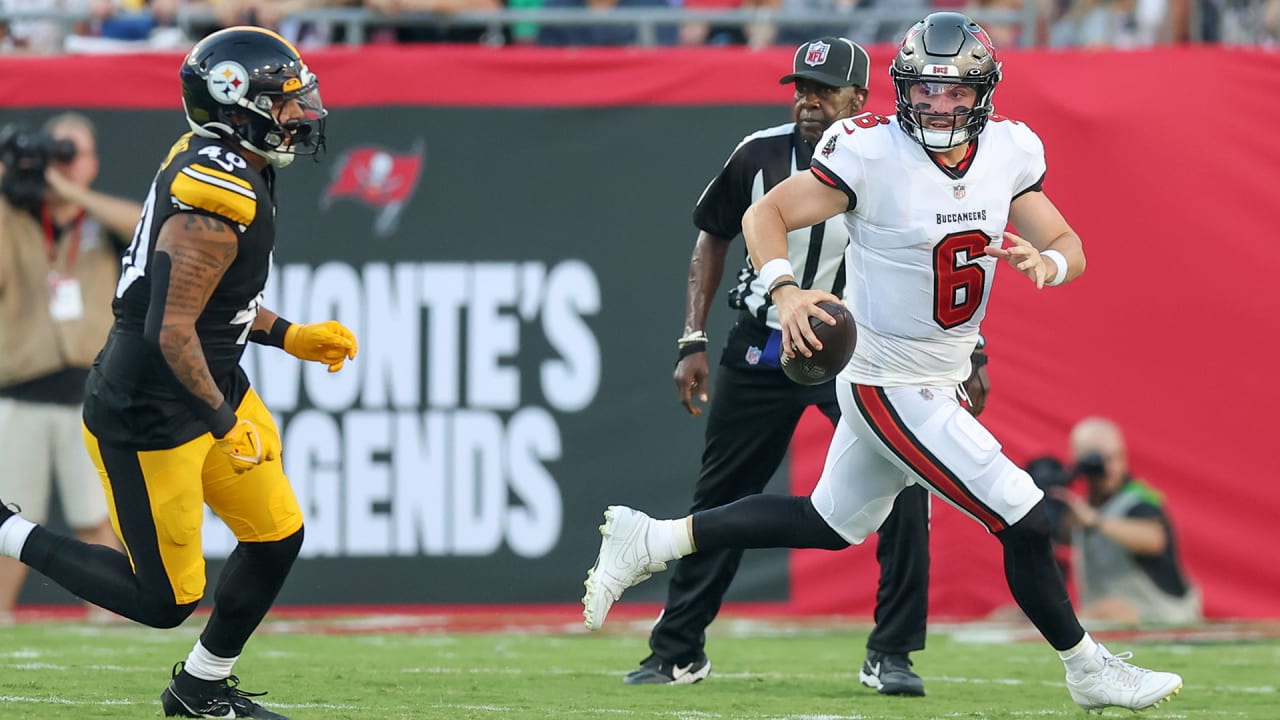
(903, 443)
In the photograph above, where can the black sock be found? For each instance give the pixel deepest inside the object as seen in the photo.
(1036, 582)
(764, 521)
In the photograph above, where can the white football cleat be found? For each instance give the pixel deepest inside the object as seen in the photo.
(623, 561)
(1113, 682)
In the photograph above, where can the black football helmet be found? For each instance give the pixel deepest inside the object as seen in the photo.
(946, 48)
(231, 82)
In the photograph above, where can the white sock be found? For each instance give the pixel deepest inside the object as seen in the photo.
(13, 535)
(668, 539)
(205, 665)
(1083, 658)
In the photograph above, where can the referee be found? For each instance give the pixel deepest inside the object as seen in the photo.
(756, 408)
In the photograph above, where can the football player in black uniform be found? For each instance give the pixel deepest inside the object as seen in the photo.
(170, 420)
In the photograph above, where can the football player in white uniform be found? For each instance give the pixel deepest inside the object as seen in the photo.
(926, 197)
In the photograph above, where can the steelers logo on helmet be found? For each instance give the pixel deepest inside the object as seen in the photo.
(228, 82)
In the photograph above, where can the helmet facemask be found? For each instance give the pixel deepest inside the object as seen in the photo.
(943, 50)
(967, 125)
(258, 130)
(300, 135)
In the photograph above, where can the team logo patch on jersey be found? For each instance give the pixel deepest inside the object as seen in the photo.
(958, 191)
(381, 179)
(816, 54)
(830, 147)
(228, 82)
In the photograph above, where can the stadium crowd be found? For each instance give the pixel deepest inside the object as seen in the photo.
(52, 26)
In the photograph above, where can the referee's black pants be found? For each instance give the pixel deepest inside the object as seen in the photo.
(750, 421)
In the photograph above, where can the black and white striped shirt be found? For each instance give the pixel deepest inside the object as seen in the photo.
(764, 159)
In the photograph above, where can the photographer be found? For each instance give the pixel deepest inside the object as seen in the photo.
(1125, 553)
(60, 244)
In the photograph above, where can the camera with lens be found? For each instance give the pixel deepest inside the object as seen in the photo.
(25, 154)
(1048, 472)
(1092, 466)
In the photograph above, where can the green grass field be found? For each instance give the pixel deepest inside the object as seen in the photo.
(68, 671)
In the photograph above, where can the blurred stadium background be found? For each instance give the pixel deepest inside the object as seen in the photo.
(505, 223)
(51, 26)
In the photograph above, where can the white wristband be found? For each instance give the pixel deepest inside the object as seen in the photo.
(1060, 261)
(774, 269)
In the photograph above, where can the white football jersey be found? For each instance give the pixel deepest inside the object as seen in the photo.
(918, 278)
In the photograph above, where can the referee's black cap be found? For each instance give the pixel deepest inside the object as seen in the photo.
(833, 61)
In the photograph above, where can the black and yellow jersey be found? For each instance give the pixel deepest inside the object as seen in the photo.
(132, 397)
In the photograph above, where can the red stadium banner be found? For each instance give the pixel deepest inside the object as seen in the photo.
(1161, 161)
(1157, 334)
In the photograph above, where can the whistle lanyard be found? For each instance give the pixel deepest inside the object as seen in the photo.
(51, 239)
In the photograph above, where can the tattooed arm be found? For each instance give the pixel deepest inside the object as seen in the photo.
(192, 252)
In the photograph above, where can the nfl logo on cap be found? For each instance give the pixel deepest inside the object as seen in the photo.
(831, 61)
(816, 54)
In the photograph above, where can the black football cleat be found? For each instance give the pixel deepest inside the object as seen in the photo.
(656, 671)
(191, 697)
(890, 674)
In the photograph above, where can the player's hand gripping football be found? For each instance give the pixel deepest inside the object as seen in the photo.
(795, 307)
(325, 342)
(1023, 257)
(247, 447)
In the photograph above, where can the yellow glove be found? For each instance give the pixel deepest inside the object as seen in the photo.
(327, 342)
(246, 447)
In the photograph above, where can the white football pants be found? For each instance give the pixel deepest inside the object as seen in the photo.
(889, 438)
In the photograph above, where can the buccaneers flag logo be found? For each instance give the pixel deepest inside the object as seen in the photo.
(379, 178)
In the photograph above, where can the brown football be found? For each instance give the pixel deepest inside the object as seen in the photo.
(837, 347)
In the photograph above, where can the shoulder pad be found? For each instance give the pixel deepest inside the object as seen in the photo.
(200, 184)
(867, 134)
(1024, 137)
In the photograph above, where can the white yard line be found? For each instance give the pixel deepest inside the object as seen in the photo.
(313, 706)
(850, 678)
(51, 666)
(61, 701)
